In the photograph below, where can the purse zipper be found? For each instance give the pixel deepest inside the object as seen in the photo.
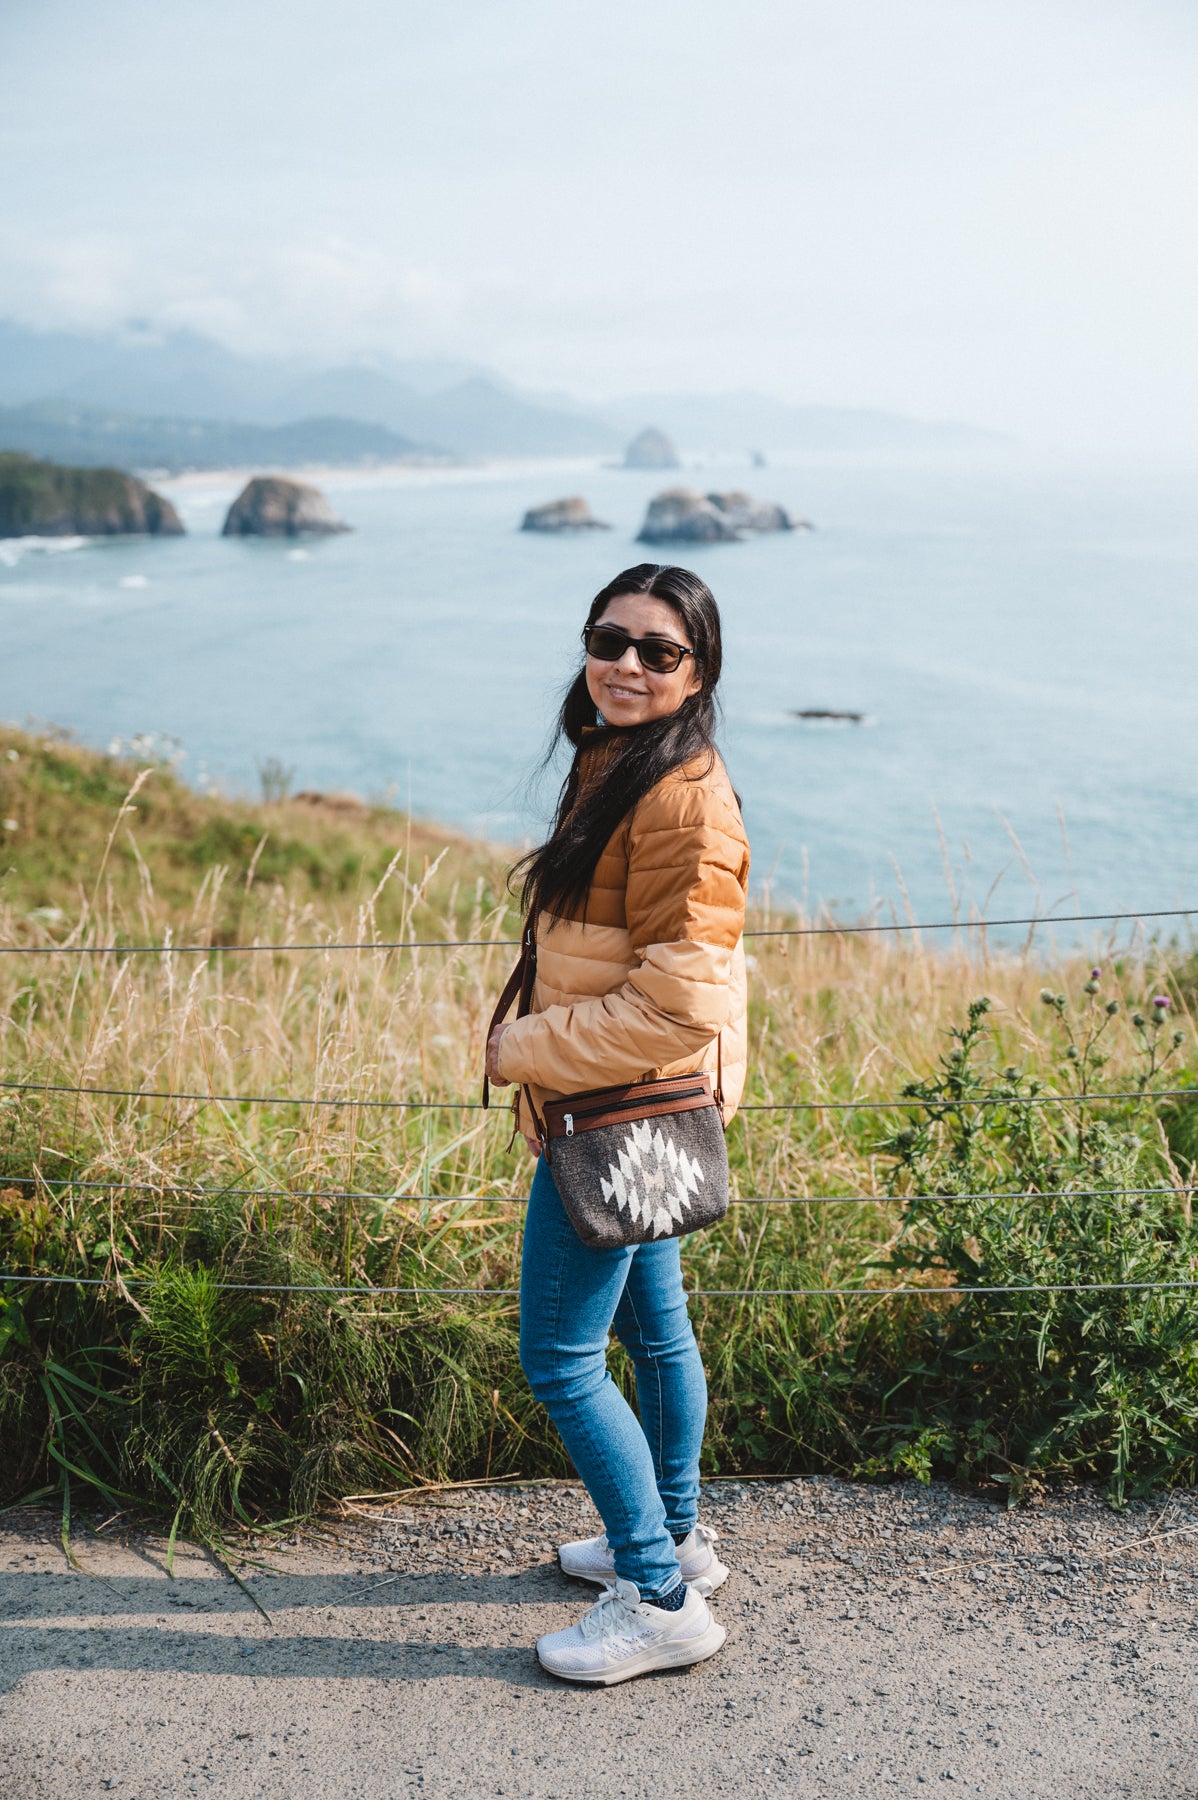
(593, 1112)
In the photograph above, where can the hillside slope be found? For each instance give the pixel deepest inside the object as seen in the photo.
(63, 837)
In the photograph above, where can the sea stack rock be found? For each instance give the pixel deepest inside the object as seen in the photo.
(45, 499)
(682, 516)
(746, 514)
(271, 506)
(652, 449)
(563, 515)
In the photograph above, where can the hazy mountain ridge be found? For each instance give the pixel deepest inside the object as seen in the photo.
(93, 437)
(754, 421)
(168, 395)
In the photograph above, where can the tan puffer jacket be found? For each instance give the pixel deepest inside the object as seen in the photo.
(656, 972)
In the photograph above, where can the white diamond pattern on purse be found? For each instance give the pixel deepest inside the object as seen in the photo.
(652, 1180)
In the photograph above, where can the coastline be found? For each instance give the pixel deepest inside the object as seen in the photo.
(417, 472)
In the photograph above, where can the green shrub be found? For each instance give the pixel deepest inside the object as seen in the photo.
(1100, 1376)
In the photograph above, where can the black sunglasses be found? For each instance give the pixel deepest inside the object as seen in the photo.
(607, 643)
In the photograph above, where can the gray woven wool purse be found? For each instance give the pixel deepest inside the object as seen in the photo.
(641, 1162)
(634, 1163)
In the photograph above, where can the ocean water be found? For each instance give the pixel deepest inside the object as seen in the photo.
(1023, 642)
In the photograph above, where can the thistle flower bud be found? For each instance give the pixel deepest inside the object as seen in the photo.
(1048, 997)
(1071, 1053)
(1161, 1001)
(1179, 1038)
(1112, 1007)
(1137, 1019)
(1091, 987)
(1095, 974)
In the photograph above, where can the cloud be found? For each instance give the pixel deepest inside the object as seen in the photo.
(948, 206)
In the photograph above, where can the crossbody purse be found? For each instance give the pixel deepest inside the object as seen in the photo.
(633, 1163)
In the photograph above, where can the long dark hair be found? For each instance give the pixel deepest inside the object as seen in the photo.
(556, 877)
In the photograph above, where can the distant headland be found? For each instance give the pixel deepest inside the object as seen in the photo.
(43, 499)
(176, 401)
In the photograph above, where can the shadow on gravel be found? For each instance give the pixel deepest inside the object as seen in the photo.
(159, 1651)
(33, 1640)
(55, 1595)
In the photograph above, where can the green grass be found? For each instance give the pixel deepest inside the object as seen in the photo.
(215, 1404)
(62, 826)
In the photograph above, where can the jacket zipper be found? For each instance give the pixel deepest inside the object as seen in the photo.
(593, 1112)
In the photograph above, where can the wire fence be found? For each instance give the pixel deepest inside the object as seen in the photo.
(867, 1293)
(1033, 921)
(940, 1103)
(187, 1191)
(350, 1102)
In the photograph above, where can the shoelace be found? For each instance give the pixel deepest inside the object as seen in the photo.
(611, 1613)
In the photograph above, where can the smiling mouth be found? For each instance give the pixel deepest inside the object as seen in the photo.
(619, 692)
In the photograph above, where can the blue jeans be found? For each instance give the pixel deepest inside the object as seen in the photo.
(643, 1478)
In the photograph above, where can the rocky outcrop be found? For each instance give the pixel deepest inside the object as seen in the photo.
(683, 516)
(335, 800)
(45, 499)
(747, 515)
(651, 449)
(563, 515)
(272, 506)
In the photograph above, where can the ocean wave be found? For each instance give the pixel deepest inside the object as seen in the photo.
(14, 550)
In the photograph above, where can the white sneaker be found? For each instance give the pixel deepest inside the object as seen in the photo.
(623, 1635)
(590, 1559)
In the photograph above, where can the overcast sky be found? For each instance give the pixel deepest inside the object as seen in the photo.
(983, 209)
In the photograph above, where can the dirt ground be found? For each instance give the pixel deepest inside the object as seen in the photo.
(879, 1640)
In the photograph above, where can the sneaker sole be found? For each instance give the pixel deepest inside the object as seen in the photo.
(667, 1656)
(714, 1576)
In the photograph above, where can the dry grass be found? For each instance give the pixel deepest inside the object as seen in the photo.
(834, 1017)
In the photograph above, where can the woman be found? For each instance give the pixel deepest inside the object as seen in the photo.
(639, 901)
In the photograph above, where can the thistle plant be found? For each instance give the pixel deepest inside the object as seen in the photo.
(1082, 1354)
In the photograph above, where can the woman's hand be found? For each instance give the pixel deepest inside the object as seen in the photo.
(498, 1080)
(493, 1075)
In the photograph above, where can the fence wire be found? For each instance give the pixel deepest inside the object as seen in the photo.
(502, 1111)
(920, 1293)
(176, 1190)
(1034, 921)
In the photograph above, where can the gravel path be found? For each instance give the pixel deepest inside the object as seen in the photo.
(880, 1640)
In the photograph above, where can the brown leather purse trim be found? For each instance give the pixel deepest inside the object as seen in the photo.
(641, 1100)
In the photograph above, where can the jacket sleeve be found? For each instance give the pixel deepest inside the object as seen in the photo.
(688, 866)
